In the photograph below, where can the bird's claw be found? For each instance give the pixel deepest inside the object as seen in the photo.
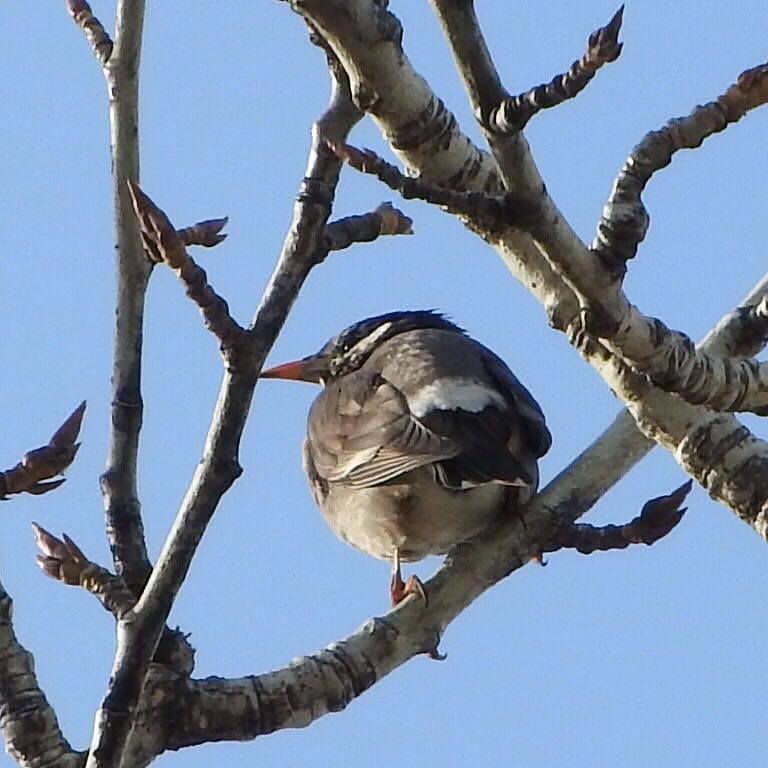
(538, 558)
(399, 589)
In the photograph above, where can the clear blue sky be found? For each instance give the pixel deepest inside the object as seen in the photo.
(653, 656)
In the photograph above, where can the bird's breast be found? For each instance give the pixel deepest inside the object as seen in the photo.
(411, 514)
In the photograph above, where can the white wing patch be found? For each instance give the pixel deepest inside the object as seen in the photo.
(452, 393)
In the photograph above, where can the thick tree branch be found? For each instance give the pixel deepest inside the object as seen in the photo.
(217, 709)
(662, 417)
(32, 734)
(139, 631)
(669, 357)
(192, 712)
(197, 711)
(421, 131)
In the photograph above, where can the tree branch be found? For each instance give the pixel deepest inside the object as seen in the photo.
(98, 37)
(513, 114)
(43, 463)
(192, 712)
(747, 327)
(657, 518)
(491, 213)
(177, 713)
(139, 631)
(32, 734)
(62, 560)
(165, 245)
(663, 418)
(118, 482)
(384, 220)
(625, 220)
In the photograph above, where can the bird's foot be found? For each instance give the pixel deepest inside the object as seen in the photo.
(399, 589)
(538, 558)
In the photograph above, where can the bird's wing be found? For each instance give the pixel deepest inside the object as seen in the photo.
(488, 452)
(362, 433)
(498, 426)
(531, 416)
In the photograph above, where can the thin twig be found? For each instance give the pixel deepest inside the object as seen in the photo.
(206, 233)
(62, 560)
(491, 213)
(657, 518)
(41, 464)
(93, 29)
(513, 114)
(164, 245)
(624, 221)
(385, 220)
(125, 529)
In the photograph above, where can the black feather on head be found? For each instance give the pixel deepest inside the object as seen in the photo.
(349, 349)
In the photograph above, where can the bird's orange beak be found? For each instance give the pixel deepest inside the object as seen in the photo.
(285, 371)
(313, 369)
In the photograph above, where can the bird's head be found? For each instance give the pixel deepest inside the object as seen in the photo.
(348, 350)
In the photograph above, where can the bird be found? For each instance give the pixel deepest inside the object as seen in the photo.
(420, 439)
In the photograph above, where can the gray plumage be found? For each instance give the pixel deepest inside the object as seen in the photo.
(420, 438)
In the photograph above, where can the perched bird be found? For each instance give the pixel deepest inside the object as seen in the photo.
(420, 438)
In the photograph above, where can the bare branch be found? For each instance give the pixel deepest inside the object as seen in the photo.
(205, 233)
(657, 518)
(662, 417)
(747, 329)
(218, 709)
(190, 712)
(513, 114)
(31, 730)
(493, 214)
(669, 358)
(625, 220)
(139, 632)
(385, 220)
(164, 245)
(94, 31)
(62, 560)
(367, 39)
(125, 529)
(43, 463)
